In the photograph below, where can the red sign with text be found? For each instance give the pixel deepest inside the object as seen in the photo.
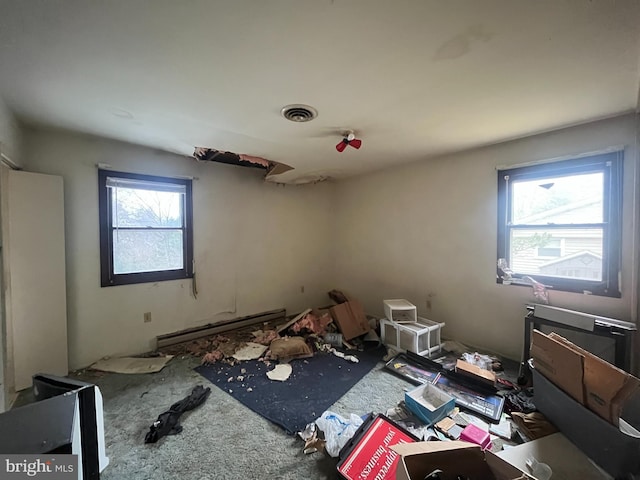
(371, 457)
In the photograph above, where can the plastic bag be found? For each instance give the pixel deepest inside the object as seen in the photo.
(337, 430)
(478, 359)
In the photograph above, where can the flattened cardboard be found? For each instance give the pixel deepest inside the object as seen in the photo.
(606, 387)
(351, 319)
(561, 365)
(456, 458)
(475, 372)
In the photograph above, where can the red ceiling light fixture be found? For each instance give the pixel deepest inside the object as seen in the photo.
(349, 138)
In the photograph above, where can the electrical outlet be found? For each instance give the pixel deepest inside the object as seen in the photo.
(302, 289)
(147, 317)
(428, 304)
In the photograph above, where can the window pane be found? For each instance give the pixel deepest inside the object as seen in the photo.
(566, 253)
(571, 199)
(136, 251)
(133, 207)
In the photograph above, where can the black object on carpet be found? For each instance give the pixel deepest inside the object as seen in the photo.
(315, 384)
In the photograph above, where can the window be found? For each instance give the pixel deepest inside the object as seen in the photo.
(145, 228)
(550, 248)
(559, 223)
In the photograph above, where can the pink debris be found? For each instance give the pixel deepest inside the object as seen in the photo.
(212, 357)
(257, 160)
(198, 347)
(266, 337)
(312, 322)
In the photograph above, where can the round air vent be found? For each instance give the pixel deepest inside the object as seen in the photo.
(299, 113)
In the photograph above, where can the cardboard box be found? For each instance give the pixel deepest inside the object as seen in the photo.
(562, 365)
(590, 380)
(475, 373)
(455, 458)
(606, 387)
(429, 403)
(615, 451)
(351, 319)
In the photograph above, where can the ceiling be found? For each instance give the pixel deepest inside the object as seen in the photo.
(413, 78)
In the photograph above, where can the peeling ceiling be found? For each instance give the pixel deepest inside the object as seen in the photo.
(412, 78)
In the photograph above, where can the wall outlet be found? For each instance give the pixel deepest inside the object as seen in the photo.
(147, 317)
(302, 289)
(429, 304)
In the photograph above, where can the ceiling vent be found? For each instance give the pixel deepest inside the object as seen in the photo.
(299, 113)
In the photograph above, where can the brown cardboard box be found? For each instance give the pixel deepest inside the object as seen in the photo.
(606, 388)
(455, 458)
(475, 372)
(351, 319)
(562, 365)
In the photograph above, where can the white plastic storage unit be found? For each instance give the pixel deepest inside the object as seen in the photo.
(400, 311)
(421, 336)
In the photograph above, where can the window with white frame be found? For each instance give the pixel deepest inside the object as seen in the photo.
(559, 223)
(145, 228)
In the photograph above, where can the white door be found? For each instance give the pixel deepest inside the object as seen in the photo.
(34, 276)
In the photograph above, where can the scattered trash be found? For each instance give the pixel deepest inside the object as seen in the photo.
(167, 422)
(212, 357)
(280, 373)
(334, 339)
(313, 322)
(266, 337)
(312, 443)
(290, 347)
(337, 430)
(533, 425)
(351, 358)
(539, 291)
(282, 328)
(478, 359)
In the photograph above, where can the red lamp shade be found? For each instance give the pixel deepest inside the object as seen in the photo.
(342, 145)
(356, 143)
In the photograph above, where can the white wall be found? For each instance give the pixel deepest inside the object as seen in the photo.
(10, 135)
(427, 231)
(10, 143)
(256, 245)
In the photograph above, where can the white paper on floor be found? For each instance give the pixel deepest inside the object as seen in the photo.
(132, 364)
(280, 373)
(250, 351)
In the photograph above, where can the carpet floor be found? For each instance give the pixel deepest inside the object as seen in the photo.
(222, 439)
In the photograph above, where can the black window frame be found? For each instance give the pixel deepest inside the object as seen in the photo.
(107, 276)
(611, 164)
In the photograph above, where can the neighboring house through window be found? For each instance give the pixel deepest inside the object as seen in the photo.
(145, 228)
(559, 223)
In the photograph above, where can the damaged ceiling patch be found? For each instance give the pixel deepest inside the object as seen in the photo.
(204, 154)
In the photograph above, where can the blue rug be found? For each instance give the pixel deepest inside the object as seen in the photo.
(315, 384)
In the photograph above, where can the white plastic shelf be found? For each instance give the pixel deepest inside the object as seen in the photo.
(400, 311)
(421, 337)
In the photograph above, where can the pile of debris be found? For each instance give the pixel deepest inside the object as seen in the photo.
(313, 330)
